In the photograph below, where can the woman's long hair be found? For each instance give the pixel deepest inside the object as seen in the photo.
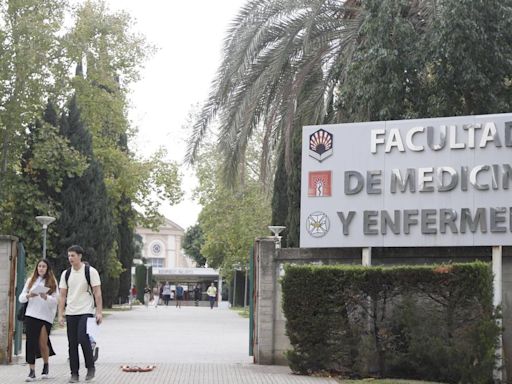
(49, 277)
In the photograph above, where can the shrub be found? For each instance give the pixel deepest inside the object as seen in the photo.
(426, 322)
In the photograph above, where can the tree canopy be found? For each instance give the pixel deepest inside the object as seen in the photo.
(78, 64)
(289, 63)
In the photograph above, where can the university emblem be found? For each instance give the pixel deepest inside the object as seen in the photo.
(317, 224)
(320, 145)
(319, 184)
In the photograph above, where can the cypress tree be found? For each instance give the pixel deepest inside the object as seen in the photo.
(293, 217)
(280, 197)
(86, 213)
(126, 246)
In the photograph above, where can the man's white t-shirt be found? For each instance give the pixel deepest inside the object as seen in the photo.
(80, 300)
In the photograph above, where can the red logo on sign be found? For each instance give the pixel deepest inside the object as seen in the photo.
(319, 184)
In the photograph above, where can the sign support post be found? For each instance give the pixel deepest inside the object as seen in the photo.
(497, 298)
(366, 257)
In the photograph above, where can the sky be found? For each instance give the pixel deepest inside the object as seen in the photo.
(188, 35)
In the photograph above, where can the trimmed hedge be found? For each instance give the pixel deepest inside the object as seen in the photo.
(418, 322)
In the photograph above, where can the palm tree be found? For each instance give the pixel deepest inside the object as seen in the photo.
(290, 63)
(274, 49)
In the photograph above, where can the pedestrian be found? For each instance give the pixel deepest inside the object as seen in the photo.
(80, 294)
(166, 292)
(212, 294)
(179, 295)
(197, 295)
(147, 295)
(41, 295)
(133, 293)
(156, 296)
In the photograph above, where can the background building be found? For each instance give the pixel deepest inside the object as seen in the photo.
(162, 249)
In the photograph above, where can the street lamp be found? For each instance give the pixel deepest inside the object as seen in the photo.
(45, 221)
(276, 230)
(147, 273)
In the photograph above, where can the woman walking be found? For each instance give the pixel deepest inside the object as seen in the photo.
(40, 291)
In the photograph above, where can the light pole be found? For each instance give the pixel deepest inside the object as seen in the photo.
(45, 221)
(147, 273)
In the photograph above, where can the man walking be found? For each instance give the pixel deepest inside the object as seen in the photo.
(212, 294)
(179, 295)
(80, 292)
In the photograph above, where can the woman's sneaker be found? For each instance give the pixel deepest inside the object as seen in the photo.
(31, 376)
(44, 374)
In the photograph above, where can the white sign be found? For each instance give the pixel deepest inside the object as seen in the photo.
(427, 182)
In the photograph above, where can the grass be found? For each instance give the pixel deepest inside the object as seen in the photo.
(116, 308)
(385, 381)
(241, 311)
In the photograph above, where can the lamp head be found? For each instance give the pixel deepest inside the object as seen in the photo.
(45, 220)
(276, 229)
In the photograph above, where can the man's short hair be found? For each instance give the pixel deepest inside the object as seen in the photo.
(77, 249)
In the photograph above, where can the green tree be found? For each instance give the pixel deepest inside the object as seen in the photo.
(109, 57)
(30, 68)
(192, 243)
(46, 161)
(231, 219)
(272, 49)
(293, 63)
(86, 212)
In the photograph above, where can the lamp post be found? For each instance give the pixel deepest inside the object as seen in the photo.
(147, 273)
(45, 221)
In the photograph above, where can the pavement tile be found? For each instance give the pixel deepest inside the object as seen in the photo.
(191, 345)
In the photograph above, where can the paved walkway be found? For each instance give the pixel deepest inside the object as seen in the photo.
(193, 345)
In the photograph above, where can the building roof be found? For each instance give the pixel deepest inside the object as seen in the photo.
(172, 225)
(166, 227)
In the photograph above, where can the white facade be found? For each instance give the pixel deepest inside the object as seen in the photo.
(162, 248)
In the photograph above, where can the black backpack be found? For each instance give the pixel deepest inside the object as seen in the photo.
(87, 277)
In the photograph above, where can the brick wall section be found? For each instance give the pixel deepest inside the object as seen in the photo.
(5, 265)
(265, 301)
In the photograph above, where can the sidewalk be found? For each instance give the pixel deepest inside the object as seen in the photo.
(188, 345)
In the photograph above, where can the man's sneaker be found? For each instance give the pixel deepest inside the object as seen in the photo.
(90, 374)
(31, 376)
(73, 379)
(96, 352)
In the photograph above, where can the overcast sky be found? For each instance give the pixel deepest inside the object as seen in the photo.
(189, 36)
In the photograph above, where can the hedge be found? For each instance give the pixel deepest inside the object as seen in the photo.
(433, 323)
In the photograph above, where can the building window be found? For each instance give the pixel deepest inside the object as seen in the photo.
(156, 248)
(157, 263)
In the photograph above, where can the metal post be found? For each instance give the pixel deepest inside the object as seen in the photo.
(44, 241)
(366, 257)
(45, 221)
(219, 290)
(245, 289)
(234, 290)
(497, 299)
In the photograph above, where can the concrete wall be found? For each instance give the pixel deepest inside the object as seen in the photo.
(270, 323)
(7, 244)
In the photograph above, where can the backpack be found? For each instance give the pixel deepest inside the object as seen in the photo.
(87, 277)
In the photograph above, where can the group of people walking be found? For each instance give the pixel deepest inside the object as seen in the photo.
(166, 294)
(78, 301)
